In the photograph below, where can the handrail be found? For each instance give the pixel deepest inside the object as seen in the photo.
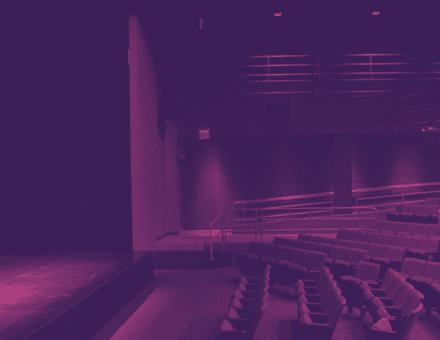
(316, 208)
(397, 186)
(313, 68)
(355, 191)
(284, 198)
(210, 231)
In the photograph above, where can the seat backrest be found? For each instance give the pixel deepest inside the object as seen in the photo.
(416, 209)
(388, 225)
(413, 267)
(409, 242)
(395, 284)
(398, 226)
(360, 245)
(414, 228)
(282, 241)
(267, 249)
(411, 302)
(345, 243)
(432, 270)
(432, 201)
(339, 253)
(333, 313)
(359, 235)
(344, 234)
(391, 240)
(430, 245)
(380, 225)
(376, 250)
(394, 253)
(401, 294)
(430, 209)
(430, 229)
(356, 255)
(293, 255)
(255, 248)
(314, 259)
(374, 237)
(325, 248)
(367, 271)
(389, 275)
(304, 237)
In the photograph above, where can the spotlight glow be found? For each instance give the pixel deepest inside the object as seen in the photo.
(375, 13)
(277, 14)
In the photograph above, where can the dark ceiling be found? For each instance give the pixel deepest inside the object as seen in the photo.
(232, 29)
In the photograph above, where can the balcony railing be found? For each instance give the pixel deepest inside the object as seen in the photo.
(349, 67)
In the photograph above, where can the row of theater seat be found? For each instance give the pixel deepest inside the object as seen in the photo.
(416, 246)
(425, 277)
(403, 228)
(248, 303)
(420, 213)
(385, 256)
(288, 264)
(320, 304)
(393, 306)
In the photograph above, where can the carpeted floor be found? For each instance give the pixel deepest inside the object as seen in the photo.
(190, 305)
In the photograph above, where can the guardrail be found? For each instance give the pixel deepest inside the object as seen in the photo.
(259, 218)
(402, 191)
(348, 67)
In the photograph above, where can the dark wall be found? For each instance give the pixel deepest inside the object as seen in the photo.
(220, 171)
(67, 149)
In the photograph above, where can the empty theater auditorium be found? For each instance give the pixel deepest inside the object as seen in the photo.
(220, 170)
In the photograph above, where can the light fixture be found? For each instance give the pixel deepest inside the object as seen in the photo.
(375, 13)
(277, 14)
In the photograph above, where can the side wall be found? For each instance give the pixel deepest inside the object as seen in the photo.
(220, 171)
(153, 160)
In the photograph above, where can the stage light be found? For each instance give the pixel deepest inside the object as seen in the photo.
(277, 14)
(375, 13)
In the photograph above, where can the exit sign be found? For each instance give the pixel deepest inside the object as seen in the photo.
(204, 134)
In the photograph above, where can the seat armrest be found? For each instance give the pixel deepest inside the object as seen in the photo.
(313, 298)
(241, 324)
(315, 307)
(387, 301)
(245, 313)
(393, 311)
(378, 292)
(319, 318)
(311, 290)
(374, 285)
(308, 283)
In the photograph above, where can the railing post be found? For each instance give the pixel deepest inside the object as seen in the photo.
(310, 222)
(210, 241)
(223, 233)
(256, 225)
(319, 69)
(268, 72)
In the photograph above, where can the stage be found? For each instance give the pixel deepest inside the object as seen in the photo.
(44, 295)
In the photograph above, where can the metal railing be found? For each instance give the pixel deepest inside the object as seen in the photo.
(363, 67)
(258, 219)
(401, 191)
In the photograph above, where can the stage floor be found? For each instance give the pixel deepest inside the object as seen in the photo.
(37, 289)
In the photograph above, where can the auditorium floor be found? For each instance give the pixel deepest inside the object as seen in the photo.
(190, 305)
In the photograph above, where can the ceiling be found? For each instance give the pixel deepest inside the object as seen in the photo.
(235, 28)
